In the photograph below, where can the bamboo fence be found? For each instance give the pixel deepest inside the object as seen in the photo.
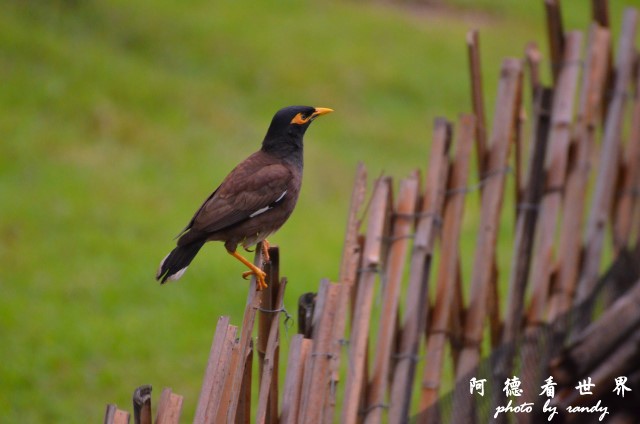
(403, 317)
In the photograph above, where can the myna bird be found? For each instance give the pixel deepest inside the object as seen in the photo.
(253, 201)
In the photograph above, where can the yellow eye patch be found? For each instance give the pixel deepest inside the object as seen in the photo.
(298, 119)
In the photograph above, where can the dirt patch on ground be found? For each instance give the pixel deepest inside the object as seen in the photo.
(438, 10)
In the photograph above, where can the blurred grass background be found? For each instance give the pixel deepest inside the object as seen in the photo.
(118, 118)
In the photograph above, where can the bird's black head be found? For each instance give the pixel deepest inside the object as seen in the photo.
(288, 127)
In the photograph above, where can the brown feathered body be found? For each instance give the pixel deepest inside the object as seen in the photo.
(252, 202)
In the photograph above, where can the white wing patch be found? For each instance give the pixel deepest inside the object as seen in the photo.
(270, 206)
(259, 211)
(281, 196)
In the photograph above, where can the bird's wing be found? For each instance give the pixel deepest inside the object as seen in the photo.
(246, 192)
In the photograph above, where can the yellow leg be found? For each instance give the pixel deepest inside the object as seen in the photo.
(265, 250)
(260, 274)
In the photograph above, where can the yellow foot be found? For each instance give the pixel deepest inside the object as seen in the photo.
(260, 276)
(254, 270)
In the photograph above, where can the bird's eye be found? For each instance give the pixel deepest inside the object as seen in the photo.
(300, 119)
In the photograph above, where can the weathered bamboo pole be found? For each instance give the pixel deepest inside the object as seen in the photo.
(403, 221)
(221, 376)
(316, 394)
(142, 405)
(269, 302)
(417, 304)
(533, 59)
(267, 412)
(169, 407)
(600, 12)
(243, 409)
(600, 15)
(628, 199)
(604, 187)
(555, 35)
(456, 320)
(584, 135)
(298, 352)
(318, 310)
(372, 261)
(238, 376)
(351, 255)
(527, 219)
(557, 160)
(226, 394)
(477, 99)
(113, 415)
(211, 372)
(524, 238)
(556, 165)
(449, 268)
(507, 107)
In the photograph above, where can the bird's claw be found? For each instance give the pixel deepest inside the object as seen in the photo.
(260, 278)
(265, 251)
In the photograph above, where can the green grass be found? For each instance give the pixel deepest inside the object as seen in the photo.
(118, 118)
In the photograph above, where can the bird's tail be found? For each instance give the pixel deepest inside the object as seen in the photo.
(175, 263)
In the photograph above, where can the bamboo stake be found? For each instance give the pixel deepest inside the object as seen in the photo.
(319, 309)
(351, 256)
(533, 57)
(456, 321)
(351, 250)
(267, 412)
(298, 352)
(212, 368)
(113, 415)
(556, 169)
(142, 405)
(603, 194)
(527, 219)
(323, 298)
(404, 219)
(557, 159)
(523, 244)
(519, 160)
(600, 12)
(243, 409)
(507, 107)
(600, 15)
(555, 34)
(269, 303)
(225, 396)
(417, 303)
(221, 374)
(477, 100)
(371, 262)
(316, 393)
(169, 407)
(628, 199)
(593, 83)
(246, 348)
(449, 266)
(532, 61)
(305, 386)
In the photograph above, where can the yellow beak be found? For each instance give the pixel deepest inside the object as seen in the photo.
(321, 111)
